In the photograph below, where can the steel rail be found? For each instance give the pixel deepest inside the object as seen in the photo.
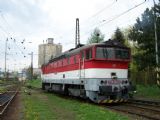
(149, 102)
(133, 113)
(143, 107)
(8, 103)
(4, 103)
(138, 103)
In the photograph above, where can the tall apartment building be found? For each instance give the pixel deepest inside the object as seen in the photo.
(48, 50)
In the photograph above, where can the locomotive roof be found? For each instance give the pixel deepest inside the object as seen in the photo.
(109, 43)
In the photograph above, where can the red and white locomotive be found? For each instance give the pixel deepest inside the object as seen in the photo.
(97, 71)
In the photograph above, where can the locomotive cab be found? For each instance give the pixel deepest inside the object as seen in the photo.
(107, 73)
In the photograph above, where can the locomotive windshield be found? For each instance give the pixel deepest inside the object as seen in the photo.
(111, 53)
(121, 54)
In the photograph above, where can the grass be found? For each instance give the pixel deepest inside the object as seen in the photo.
(85, 111)
(1, 81)
(5, 85)
(48, 106)
(34, 83)
(36, 109)
(3, 89)
(151, 92)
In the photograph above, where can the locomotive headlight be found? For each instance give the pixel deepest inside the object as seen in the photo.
(102, 82)
(126, 81)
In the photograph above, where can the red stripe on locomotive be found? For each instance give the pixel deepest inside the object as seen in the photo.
(88, 65)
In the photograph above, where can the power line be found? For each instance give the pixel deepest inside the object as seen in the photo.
(20, 50)
(7, 33)
(5, 21)
(103, 9)
(99, 12)
(9, 48)
(117, 16)
(94, 15)
(17, 47)
(2, 16)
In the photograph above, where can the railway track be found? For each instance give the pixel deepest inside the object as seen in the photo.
(142, 108)
(145, 102)
(5, 100)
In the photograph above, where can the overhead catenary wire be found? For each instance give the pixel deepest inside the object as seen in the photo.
(8, 55)
(2, 16)
(117, 16)
(99, 12)
(8, 34)
(15, 46)
(93, 16)
(11, 38)
(10, 27)
(102, 10)
(96, 14)
(9, 47)
(20, 50)
(7, 23)
(102, 23)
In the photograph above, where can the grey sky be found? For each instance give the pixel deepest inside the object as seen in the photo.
(36, 20)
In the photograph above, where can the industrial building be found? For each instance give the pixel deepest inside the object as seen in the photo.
(48, 50)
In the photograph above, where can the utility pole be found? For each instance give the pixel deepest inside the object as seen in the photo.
(44, 54)
(156, 43)
(31, 65)
(5, 60)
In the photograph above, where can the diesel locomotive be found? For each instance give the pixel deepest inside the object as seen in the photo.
(98, 72)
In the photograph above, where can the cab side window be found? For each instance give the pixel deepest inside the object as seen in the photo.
(82, 55)
(88, 54)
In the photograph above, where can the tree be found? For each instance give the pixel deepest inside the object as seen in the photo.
(143, 34)
(96, 37)
(118, 35)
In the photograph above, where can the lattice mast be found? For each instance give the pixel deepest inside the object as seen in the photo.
(77, 35)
